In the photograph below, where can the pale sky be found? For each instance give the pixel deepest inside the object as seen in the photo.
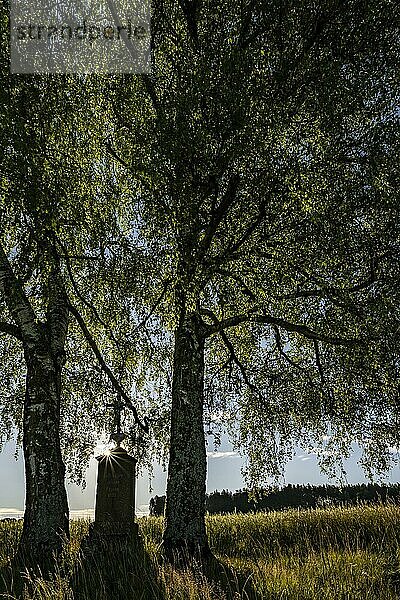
(223, 473)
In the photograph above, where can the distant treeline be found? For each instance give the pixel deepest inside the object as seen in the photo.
(291, 496)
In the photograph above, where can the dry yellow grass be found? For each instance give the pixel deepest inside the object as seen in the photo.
(330, 554)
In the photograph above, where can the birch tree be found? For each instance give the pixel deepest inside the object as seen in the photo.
(267, 173)
(53, 212)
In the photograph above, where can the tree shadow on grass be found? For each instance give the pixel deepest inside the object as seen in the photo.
(21, 578)
(17, 580)
(115, 568)
(6, 582)
(233, 584)
(14, 578)
(211, 577)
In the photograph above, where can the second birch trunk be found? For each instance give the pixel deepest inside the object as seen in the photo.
(185, 530)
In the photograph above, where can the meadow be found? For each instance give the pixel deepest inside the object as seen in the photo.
(331, 554)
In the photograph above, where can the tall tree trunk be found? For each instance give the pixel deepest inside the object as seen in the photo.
(185, 532)
(46, 518)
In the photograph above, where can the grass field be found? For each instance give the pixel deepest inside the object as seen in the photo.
(324, 554)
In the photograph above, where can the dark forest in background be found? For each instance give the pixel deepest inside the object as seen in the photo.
(291, 496)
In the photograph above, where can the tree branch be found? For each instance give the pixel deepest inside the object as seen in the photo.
(291, 362)
(301, 329)
(232, 353)
(237, 362)
(118, 158)
(326, 291)
(144, 425)
(318, 361)
(150, 89)
(11, 329)
(217, 372)
(244, 287)
(189, 9)
(87, 303)
(234, 247)
(57, 312)
(155, 306)
(17, 302)
(219, 213)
